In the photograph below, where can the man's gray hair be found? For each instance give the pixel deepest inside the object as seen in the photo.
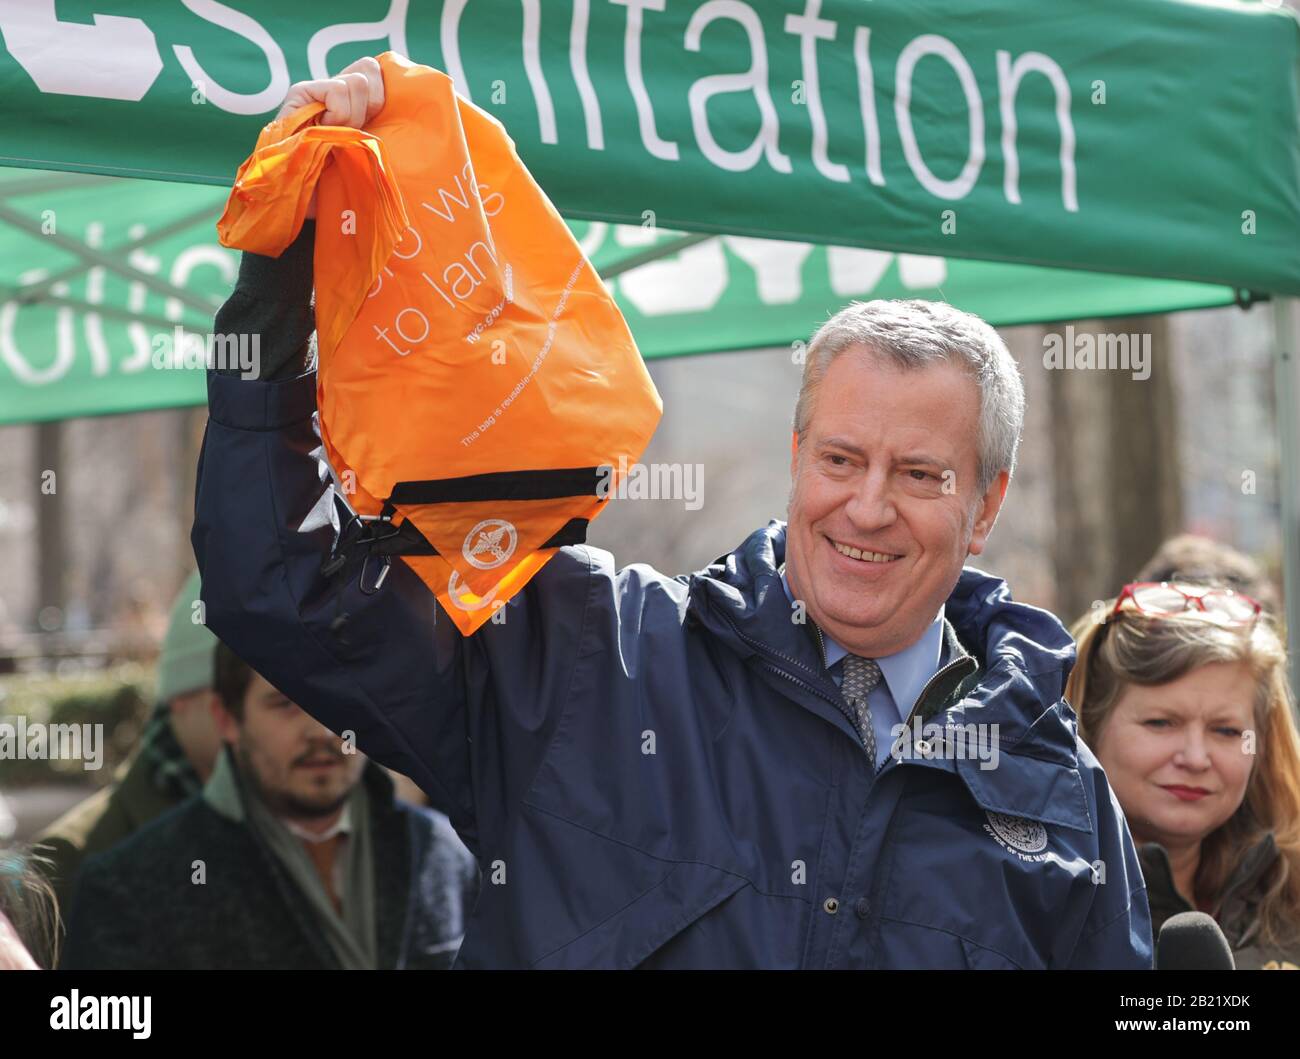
(914, 334)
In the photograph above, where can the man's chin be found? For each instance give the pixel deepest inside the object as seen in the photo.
(851, 623)
(314, 806)
(857, 607)
(849, 613)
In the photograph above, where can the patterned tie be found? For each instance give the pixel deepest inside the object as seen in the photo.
(861, 675)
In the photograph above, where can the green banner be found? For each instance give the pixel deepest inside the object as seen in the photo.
(97, 274)
(84, 338)
(736, 292)
(1144, 137)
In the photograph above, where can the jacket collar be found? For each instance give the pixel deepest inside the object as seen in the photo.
(1008, 663)
(1234, 905)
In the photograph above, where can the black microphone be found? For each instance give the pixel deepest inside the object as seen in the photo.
(1192, 941)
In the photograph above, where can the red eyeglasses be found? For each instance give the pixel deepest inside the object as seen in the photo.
(1160, 599)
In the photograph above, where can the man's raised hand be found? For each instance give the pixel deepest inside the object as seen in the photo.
(352, 99)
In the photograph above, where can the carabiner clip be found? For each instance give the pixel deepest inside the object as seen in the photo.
(385, 563)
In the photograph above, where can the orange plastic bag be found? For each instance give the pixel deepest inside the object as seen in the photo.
(476, 380)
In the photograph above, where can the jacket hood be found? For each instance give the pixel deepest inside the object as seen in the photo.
(1024, 656)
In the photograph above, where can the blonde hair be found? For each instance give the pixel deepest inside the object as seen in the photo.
(27, 900)
(1133, 648)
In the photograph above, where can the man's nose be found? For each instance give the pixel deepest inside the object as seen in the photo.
(872, 504)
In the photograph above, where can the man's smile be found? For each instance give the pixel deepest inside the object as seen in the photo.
(863, 555)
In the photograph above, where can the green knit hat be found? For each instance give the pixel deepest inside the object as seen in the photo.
(188, 650)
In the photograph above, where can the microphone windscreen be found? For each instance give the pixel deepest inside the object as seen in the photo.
(1192, 941)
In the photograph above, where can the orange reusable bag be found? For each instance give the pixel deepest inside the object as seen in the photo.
(477, 385)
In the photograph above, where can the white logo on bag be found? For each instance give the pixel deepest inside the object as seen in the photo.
(1016, 832)
(490, 543)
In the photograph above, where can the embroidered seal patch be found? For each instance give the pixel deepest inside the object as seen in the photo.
(1017, 833)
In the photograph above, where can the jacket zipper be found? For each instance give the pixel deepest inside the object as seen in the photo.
(929, 683)
(820, 693)
(821, 643)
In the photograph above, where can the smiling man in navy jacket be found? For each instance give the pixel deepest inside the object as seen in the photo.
(714, 770)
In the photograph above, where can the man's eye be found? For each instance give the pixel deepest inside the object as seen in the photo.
(838, 461)
(919, 475)
(1156, 722)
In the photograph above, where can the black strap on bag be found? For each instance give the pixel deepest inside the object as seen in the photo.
(378, 536)
(501, 485)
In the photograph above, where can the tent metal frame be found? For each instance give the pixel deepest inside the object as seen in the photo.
(111, 258)
(35, 292)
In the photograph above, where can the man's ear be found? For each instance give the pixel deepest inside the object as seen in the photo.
(794, 452)
(227, 725)
(987, 514)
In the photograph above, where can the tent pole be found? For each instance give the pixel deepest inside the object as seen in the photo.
(655, 253)
(34, 291)
(1286, 368)
(108, 261)
(48, 182)
(126, 316)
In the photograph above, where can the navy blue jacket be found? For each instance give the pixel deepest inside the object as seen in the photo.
(657, 771)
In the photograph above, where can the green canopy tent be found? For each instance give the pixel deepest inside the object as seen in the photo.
(100, 272)
(1031, 163)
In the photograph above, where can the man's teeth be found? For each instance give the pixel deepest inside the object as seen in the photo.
(870, 557)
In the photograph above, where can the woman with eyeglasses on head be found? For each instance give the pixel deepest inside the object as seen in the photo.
(1181, 691)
